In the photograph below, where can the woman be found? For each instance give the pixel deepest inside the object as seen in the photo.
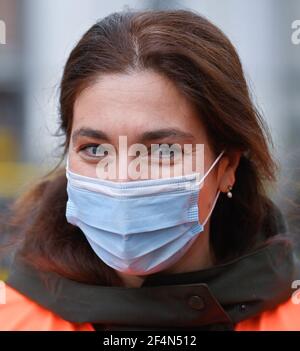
(101, 254)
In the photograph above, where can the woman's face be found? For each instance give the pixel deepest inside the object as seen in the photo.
(147, 108)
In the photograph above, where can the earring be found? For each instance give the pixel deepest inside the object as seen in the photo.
(229, 193)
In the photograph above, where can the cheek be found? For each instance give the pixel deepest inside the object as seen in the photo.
(77, 165)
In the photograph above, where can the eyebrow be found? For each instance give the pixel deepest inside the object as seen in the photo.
(90, 133)
(146, 136)
(165, 133)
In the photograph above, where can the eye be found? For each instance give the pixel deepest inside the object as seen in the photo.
(94, 150)
(165, 152)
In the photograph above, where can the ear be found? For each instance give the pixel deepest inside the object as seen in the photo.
(226, 170)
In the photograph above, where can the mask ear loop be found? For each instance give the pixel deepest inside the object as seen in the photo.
(213, 165)
(212, 208)
(218, 193)
(67, 163)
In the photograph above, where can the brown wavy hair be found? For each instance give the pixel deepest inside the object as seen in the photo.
(200, 60)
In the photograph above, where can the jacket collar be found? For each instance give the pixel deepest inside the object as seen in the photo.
(221, 295)
(246, 286)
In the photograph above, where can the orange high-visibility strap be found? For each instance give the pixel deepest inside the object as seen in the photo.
(22, 314)
(284, 317)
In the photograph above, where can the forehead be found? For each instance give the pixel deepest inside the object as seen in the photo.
(128, 103)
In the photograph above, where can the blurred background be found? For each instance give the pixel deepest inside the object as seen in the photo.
(39, 35)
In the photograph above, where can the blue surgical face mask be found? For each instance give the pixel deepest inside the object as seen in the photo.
(137, 227)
